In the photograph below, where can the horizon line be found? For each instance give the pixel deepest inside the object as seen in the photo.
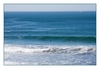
(51, 11)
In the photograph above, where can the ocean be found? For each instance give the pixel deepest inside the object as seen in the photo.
(50, 38)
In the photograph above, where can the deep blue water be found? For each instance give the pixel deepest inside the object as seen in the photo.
(46, 29)
(50, 26)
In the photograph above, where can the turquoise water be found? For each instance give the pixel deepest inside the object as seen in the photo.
(51, 37)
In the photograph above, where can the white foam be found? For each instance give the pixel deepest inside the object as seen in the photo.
(15, 63)
(49, 49)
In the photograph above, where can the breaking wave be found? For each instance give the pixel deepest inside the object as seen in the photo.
(50, 49)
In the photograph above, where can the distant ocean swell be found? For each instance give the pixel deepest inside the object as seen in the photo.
(61, 38)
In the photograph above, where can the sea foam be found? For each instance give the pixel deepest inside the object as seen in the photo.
(49, 49)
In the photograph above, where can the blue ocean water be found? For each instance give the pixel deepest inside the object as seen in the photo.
(50, 38)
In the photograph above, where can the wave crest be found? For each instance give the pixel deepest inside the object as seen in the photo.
(48, 49)
(55, 38)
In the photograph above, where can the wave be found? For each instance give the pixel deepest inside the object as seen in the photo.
(49, 49)
(57, 38)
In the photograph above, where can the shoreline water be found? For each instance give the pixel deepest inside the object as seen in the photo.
(49, 55)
